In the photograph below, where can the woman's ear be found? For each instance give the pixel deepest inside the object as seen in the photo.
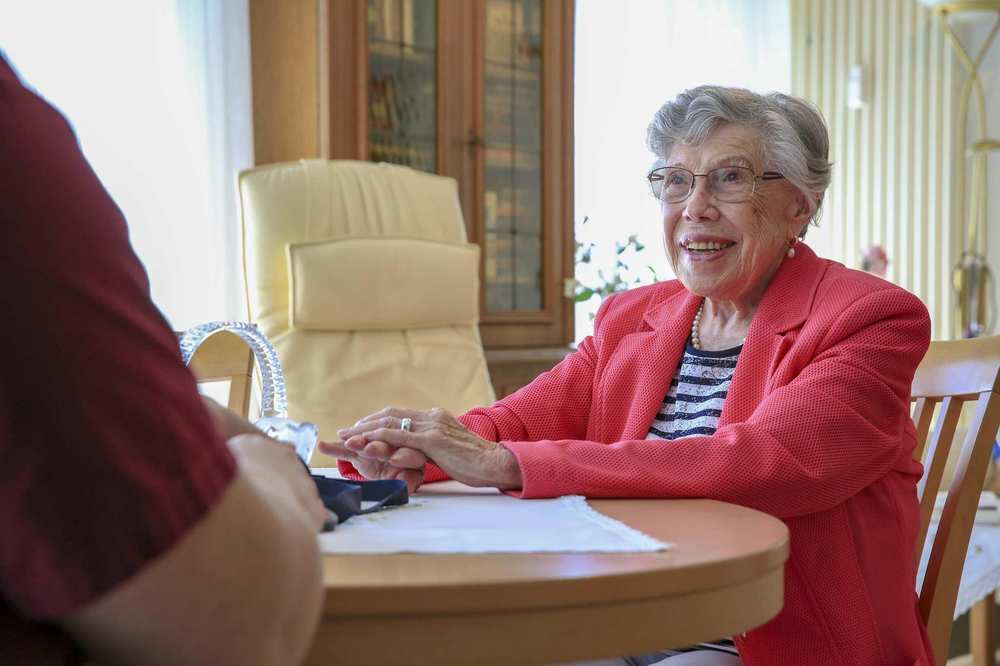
(799, 208)
(799, 212)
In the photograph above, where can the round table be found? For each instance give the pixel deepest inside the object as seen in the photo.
(723, 576)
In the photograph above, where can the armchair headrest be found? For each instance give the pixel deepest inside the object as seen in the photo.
(382, 283)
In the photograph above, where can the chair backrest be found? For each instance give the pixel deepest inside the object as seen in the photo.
(361, 276)
(224, 356)
(951, 374)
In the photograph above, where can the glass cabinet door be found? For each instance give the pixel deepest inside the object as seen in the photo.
(480, 91)
(512, 242)
(402, 82)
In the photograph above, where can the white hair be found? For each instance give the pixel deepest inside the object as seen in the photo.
(793, 136)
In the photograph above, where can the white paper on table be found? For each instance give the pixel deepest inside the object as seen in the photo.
(477, 523)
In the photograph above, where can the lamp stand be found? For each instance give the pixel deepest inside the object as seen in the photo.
(972, 278)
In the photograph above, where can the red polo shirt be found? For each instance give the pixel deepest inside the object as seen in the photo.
(107, 456)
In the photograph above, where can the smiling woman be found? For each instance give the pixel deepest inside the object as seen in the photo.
(763, 376)
(727, 237)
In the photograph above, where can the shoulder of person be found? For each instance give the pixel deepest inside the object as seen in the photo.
(844, 290)
(840, 287)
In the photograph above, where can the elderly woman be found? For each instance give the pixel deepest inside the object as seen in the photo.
(763, 376)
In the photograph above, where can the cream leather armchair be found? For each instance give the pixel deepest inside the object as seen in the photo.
(362, 277)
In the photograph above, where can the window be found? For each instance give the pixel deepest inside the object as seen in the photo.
(624, 72)
(162, 113)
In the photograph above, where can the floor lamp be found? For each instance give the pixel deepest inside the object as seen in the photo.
(972, 278)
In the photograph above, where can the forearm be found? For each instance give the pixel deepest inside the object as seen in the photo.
(773, 465)
(228, 423)
(248, 572)
(290, 612)
(508, 471)
(771, 479)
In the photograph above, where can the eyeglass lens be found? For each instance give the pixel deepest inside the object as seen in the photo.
(731, 184)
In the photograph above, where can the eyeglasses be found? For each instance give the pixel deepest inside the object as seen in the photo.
(729, 184)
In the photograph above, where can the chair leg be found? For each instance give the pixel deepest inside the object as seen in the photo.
(982, 639)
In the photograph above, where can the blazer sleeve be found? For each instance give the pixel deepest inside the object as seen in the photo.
(565, 411)
(840, 424)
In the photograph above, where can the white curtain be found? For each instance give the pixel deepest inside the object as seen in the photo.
(159, 95)
(631, 57)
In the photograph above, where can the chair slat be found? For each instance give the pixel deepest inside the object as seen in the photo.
(937, 459)
(922, 415)
(944, 570)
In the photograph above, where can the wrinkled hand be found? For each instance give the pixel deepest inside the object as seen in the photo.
(383, 450)
(408, 465)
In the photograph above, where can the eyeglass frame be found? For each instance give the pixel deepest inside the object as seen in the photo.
(766, 175)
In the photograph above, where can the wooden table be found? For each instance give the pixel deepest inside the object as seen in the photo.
(722, 577)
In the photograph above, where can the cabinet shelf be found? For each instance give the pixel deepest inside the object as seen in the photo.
(496, 69)
(388, 47)
(392, 53)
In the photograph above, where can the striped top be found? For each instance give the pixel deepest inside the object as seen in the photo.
(694, 402)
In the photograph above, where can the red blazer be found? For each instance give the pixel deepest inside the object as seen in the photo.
(816, 430)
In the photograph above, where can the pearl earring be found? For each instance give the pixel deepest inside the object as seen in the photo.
(791, 248)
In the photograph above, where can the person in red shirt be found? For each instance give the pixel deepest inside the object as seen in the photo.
(764, 376)
(138, 523)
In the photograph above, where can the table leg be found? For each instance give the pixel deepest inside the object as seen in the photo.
(982, 639)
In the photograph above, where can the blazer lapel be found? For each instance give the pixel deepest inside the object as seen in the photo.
(784, 307)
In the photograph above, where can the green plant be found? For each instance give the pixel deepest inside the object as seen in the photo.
(620, 277)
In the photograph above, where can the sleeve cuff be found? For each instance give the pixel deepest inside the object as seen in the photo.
(539, 476)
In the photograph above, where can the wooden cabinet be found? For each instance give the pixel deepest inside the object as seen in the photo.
(479, 90)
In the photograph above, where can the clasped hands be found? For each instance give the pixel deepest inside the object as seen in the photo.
(379, 449)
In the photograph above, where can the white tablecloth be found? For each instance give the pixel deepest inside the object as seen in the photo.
(486, 523)
(981, 573)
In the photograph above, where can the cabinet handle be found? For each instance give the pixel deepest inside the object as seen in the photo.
(475, 140)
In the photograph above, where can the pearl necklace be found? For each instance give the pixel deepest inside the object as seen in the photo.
(695, 325)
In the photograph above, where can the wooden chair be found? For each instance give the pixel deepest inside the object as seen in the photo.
(950, 375)
(224, 356)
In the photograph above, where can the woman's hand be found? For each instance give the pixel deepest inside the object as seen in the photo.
(373, 466)
(384, 449)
